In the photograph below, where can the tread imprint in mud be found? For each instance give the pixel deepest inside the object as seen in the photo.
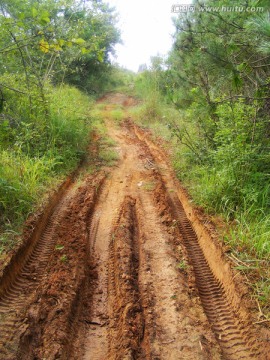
(126, 315)
(17, 290)
(236, 338)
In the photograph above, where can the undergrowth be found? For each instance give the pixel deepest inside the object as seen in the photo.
(107, 154)
(36, 153)
(220, 153)
(229, 182)
(221, 181)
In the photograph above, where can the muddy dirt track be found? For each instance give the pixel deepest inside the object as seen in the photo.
(120, 266)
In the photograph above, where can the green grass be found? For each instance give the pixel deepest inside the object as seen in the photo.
(107, 153)
(23, 183)
(108, 156)
(117, 115)
(182, 265)
(109, 141)
(116, 112)
(159, 121)
(37, 154)
(252, 234)
(148, 186)
(100, 106)
(64, 258)
(23, 179)
(70, 121)
(263, 292)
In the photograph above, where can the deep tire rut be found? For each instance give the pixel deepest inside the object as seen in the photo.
(234, 338)
(17, 291)
(235, 335)
(126, 313)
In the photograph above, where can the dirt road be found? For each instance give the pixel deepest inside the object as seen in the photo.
(120, 266)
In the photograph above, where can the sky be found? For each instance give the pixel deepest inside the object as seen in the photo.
(146, 28)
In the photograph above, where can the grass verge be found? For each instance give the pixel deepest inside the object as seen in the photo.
(36, 154)
(244, 229)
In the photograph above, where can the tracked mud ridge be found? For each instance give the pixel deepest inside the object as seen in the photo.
(52, 316)
(32, 269)
(23, 274)
(234, 334)
(127, 325)
(20, 291)
(24, 254)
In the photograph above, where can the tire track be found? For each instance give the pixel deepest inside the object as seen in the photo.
(133, 296)
(53, 318)
(127, 324)
(23, 276)
(234, 334)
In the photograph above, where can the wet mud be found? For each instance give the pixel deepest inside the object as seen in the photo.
(120, 266)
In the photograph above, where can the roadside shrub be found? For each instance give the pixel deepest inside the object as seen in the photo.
(35, 152)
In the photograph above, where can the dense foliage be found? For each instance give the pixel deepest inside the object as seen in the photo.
(44, 124)
(218, 76)
(220, 73)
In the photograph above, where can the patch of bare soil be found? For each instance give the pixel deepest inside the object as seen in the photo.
(122, 267)
(38, 287)
(118, 99)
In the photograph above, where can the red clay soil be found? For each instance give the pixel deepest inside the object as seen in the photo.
(120, 266)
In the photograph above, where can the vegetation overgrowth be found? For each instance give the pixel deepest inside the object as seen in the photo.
(54, 60)
(36, 157)
(216, 84)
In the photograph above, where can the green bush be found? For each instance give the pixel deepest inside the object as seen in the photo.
(22, 180)
(69, 124)
(36, 151)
